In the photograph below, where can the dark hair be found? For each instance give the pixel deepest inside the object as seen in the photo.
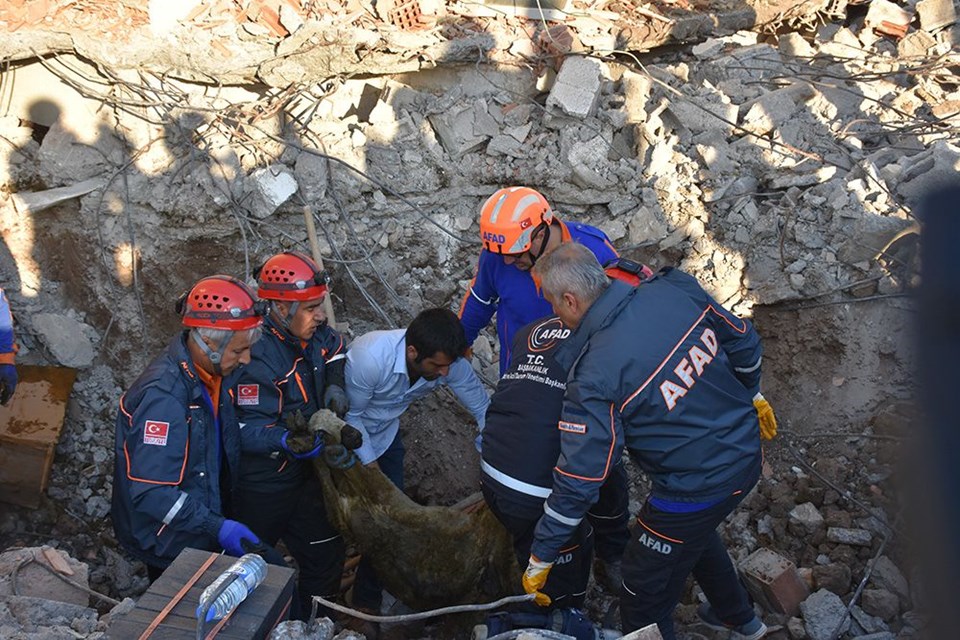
(437, 330)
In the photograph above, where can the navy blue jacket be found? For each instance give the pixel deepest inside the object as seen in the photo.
(284, 376)
(520, 440)
(511, 293)
(666, 371)
(174, 468)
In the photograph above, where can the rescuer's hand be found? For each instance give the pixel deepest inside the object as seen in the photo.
(302, 447)
(335, 399)
(535, 577)
(768, 421)
(351, 437)
(233, 535)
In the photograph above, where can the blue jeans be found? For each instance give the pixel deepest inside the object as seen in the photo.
(367, 590)
(665, 548)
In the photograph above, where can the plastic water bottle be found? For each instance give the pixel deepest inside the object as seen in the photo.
(250, 570)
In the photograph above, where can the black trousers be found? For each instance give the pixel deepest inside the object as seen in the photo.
(298, 517)
(665, 549)
(567, 582)
(610, 516)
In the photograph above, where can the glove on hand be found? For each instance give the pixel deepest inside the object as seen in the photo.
(8, 382)
(301, 449)
(351, 437)
(768, 421)
(339, 457)
(335, 399)
(232, 536)
(535, 577)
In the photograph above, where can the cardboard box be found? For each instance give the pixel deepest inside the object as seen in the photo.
(30, 428)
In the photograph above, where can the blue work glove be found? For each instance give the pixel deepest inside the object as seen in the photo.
(339, 457)
(233, 534)
(335, 399)
(299, 450)
(8, 382)
(478, 443)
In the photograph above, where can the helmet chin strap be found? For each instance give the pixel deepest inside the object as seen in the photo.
(543, 245)
(285, 320)
(214, 356)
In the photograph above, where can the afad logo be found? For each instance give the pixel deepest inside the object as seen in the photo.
(545, 335)
(248, 394)
(496, 238)
(155, 432)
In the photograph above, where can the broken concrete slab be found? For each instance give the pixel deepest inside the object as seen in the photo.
(37, 617)
(795, 45)
(577, 87)
(773, 109)
(807, 516)
(852, 537)
(936, 14)
(455, 130)
(916, 44)
(269, 188)
(66, 339)
(711, 112)
(636, 94)
(822, 614)
(310, 173)
(35, 581)
(27, 202)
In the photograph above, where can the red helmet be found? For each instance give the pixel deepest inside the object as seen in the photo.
(291, 276)
(221, 302)
(509, 217)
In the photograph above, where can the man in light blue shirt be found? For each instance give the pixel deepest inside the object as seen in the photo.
(388, 370)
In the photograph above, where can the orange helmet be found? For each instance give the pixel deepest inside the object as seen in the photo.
(509, 217)
(291, 276)
(221, 302)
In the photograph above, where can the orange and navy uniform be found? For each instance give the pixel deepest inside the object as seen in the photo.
(177, 452)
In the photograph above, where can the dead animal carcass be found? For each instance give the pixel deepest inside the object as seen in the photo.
(427, 557)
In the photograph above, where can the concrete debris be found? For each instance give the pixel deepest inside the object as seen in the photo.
(66, 338)
(319, 629)
(807, 516)
(853, 537)
(795, 45)
(936, 14)
(916, 44)
(822, 613)
(880, 603)
(577, 88)
(863, 622)
(35, 581)
(269, 188)
(887, 576)
(833, 577)
(33, 617)
(712, 111)
(888, 18)
(774, 109)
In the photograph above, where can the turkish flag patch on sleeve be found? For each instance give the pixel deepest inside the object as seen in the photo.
(248, 394)
(155, 432)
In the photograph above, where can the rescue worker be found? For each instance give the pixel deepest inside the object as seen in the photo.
(8, 352)
(297, 366)
(517, 226)
(177, 447)
(385, 372)
(520, 448)
(683, 398)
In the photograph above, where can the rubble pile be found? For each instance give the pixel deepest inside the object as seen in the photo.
(784, 171)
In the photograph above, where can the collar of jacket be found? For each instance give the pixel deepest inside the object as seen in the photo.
(179, 353)
(600, 314)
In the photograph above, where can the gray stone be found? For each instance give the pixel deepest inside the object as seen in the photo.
(806, 515)
(853, 537)
(269, 188)
(577, 87)
(793, 44)
(647, 226)
(916, 44)
(455, 130)
(883, 635)
(887, 576)
(36, 582)
(936, 14)
(705, 113)
(834, 577)
(65, 158)
(503, 145)
(929, 171)
(795, 629)
(774, 108)
(867, 622)
(881, 603)
(708, 49)
(867, 237)
(43, 619)
(822, 613)
(323, 629)
(310, 172)
(65, 338)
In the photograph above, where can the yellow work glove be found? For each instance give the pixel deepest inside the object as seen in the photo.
(768, 421)
(535, 577)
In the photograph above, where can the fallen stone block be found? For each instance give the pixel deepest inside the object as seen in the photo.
(794, 44)
(822, 613)
(807, 516)
(455, 130)
(65, 338)
(881, 603)
(772, 109)
(852, 537)
(936, 14)
(268, 188)
(916, 44)
(833, 577)
(866, 622)
(705, 113)
(36, 582)
(773, 581)
(886, 575)
(577, 88)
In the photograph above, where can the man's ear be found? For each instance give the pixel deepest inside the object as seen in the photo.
(283, 308)
(412, 352)
(570, 301)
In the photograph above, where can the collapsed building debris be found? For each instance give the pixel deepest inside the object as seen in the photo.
(784, 170)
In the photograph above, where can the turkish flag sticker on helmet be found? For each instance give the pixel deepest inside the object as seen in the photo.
(526, 222)
(155, 432)
(248, 394)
